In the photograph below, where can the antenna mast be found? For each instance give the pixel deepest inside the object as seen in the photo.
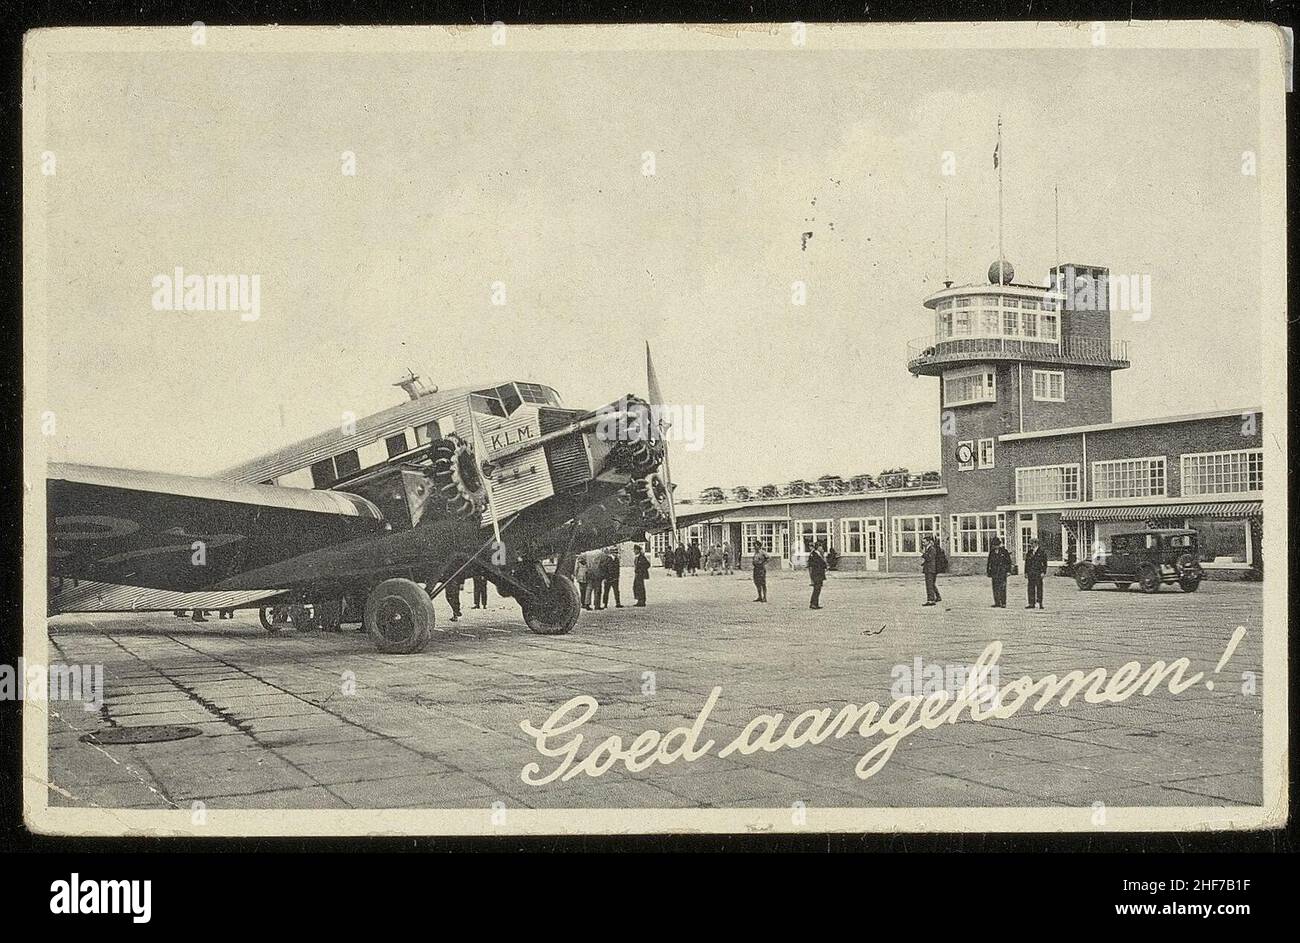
(1056, 199)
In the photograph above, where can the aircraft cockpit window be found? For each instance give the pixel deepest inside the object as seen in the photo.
(347, 464)
(509, 398)
(537, 394)
(486, 402)
(322, 473)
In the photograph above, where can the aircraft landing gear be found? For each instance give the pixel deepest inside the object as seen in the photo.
(552, 609)
(295, 615)
(399, 616)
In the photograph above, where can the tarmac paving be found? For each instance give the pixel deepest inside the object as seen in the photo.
(323, 720)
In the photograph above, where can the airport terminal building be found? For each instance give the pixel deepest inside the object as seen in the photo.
(1029, 449)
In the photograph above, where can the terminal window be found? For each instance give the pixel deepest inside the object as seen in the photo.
(1047, 484)
(760, 535)
(860, 536)
(1231, 472)
(1049, 386)
(978, 385)
(973, 534)
(909, 533)
(1129, 478)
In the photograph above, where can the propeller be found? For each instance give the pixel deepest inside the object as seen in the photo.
(658, 413)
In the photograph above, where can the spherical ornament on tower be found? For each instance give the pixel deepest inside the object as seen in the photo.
(1008, 273)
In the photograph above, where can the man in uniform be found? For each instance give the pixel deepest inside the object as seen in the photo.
(480, 591)
(760, 572)
(816, 574)
(1035, 567)
(640, 573)
(999, 565)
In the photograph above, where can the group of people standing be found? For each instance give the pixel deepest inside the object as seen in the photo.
(454, 586)
(691, 559)
(598, 572)
(999, 565)
(817, 567)
(935, 561)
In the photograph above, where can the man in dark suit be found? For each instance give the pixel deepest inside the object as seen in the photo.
(816, 574)
(759, 567)
(1035, 567)
(452, 592)
(930, 570)
(693, 558)
(999, 566)
(611, 577)
(640, 573)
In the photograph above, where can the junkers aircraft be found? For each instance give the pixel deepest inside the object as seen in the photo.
(370, 523)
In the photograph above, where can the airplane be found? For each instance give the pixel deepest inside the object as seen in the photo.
(370, 521)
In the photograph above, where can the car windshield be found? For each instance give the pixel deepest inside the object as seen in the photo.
(1182, 541)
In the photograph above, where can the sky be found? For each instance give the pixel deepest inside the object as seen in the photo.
(527, 170)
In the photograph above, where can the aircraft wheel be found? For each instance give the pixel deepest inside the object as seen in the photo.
(267, 615)
(1085, 576)
(399, 616)
(557, 612)
(1148, 579)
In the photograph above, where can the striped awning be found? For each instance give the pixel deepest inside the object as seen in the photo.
(1145, 512)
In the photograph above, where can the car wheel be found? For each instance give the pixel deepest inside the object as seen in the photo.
(1149, 579)
(1190, 585)
(1085, 576)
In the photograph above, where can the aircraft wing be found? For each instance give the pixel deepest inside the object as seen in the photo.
(185, 534)
(93, 596)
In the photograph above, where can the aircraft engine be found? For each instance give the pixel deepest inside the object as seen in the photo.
(456, 477)
(636, 450)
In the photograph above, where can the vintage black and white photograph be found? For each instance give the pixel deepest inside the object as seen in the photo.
(620, 429)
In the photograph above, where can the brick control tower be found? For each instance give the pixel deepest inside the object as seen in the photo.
(1014, 357)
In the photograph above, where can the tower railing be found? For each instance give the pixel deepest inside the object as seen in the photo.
(1074, 350)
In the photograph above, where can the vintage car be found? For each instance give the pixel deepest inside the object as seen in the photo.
(1149, 558)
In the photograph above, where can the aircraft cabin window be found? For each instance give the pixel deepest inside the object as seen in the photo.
(397, 444)
(509, 398)
(322, 473)
(347, 464)
(426, 433)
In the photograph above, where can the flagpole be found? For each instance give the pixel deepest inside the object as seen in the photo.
(998, 154)
(946, 280)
